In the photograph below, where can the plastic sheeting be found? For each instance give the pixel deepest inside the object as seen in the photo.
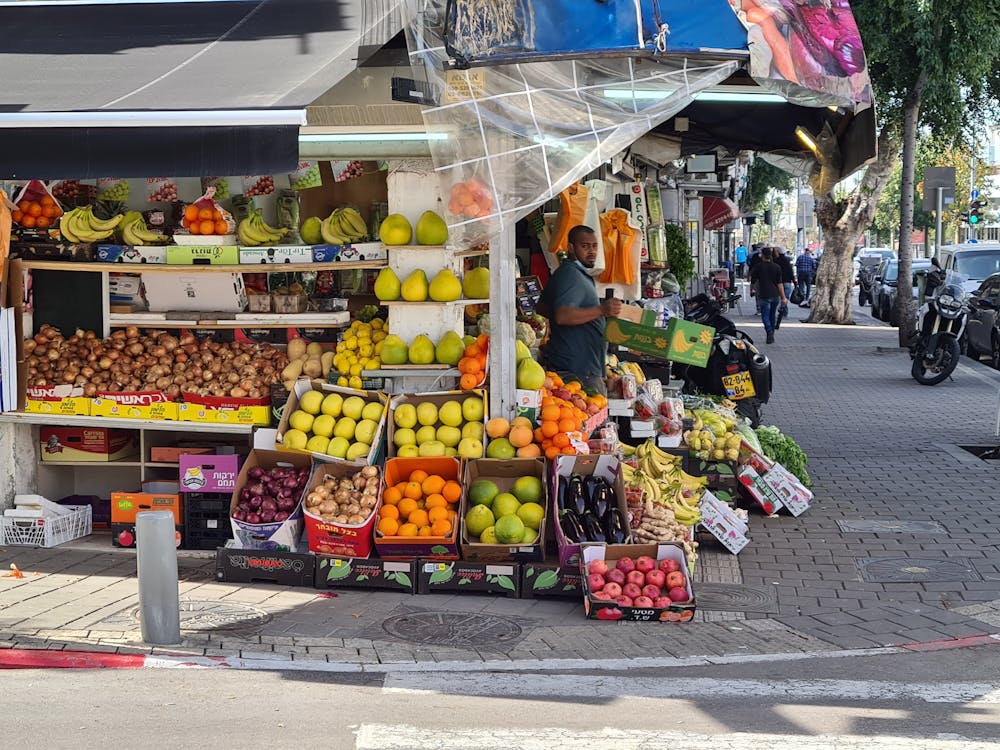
(507, 138)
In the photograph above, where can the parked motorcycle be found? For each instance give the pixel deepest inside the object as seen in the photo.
(935, 346)
(866, 276)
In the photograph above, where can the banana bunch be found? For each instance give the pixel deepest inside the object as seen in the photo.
(254, 231)
(133, 231)
(680, 497)
(81, 225)
(632, 368)
(713, 438)
(343, 227)
(665, 467)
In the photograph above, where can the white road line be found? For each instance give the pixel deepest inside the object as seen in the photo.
(405, 737)
(705, 688)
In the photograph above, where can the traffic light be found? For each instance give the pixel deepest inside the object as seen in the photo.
(767, 216)
(976, 212)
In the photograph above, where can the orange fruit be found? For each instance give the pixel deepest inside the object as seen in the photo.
(568, 424)
(413, 490)
(551, 453)
(207, 226)
(472, 351)
(216, 214)
(437, 513)
(205, 214)
(560, 440)
(418, 475)
(408, 529)
(467, 365)
(436, 501)
(550, 414)
(401, 486)
(221, 227)
(50, 212)
(194, 227)
(392, 495)
(483, 341)
(406, 507)
(388, 526)
(549, 428)
(191, 212)
(424, 531)
(419, 517)
(569, 450)
(452, 491)
(34, 210)
(520, 436)
(529, 451)
(441, 527)
(538, 435)
(565, 412)
(469, 380)
(388, 511)
(16, 216)
(43, 222)
(46, 201)
(28, 221)
(433, 485)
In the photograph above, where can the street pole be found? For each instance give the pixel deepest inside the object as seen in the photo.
(972, 186)
(799, 216)
(938, 210)
(771, 225)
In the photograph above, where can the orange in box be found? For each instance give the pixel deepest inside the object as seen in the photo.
(428, 547)
(330, 538)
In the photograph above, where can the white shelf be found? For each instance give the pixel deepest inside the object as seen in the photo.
(94, 464)
(95, 267)
(60, 420)
(430, 302)
(415, 372)
(287, 320)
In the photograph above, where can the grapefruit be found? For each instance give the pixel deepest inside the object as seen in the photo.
(531, 514)
(478, 519)
(500, 448)
(505, 504)
(482, 492)
(509, 530)
(528, 490)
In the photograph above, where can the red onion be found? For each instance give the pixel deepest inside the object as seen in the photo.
(255, 473)
(254, 502)
(245, 494)
(268, 504)
(286, 504)
(290, 483)
(267, 516)
(253, 518)
(280, 516)
(257, 490)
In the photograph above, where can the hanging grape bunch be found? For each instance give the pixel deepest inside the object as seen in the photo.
(117, 192)
(165, 193)
(66, 191)
(345, 171)
(263, 186)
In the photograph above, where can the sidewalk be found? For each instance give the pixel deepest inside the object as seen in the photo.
(919, 562)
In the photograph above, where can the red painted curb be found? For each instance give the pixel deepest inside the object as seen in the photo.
(16, 658)
(967, 641)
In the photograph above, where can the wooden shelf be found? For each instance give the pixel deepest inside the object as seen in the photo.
(60, 420)
(412, 371)
(55, 265)
(161, 464)
(288, 320)
(471, 253)
(432, 303)
(94, 464)
(415, 247)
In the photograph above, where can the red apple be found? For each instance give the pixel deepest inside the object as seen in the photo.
(615, 576)
(643, 601)
(662, 602)
(675, 580)
(656, 578)
(678, 594)
(625, 564)
(597, 566)
(611, 591)
(596, 581)
(645, 564)
(637, 578)
(668, 565)
(631, 590)
(624, 601)
(653, 592)
(125, 539)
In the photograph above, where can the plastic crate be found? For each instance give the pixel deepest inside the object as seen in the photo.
(206, 520)
(48, 532)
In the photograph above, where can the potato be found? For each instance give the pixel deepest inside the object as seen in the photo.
(296, 349)
(293, 370)
(314, 349)
(327, 362)
(312, 368)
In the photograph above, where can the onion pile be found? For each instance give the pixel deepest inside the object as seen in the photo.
(271, 495)
(349, 500)
(131, 360)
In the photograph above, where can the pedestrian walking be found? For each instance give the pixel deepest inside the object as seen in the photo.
(741, 260)
(752, 260)
(770, 293)
(780, 256)
(806, 266)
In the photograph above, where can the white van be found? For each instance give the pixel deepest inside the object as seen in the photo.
(973, 260)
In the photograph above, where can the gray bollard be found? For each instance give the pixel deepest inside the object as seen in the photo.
(159, 601)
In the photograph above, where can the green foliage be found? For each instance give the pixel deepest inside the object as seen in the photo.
(762, 178)
(679, 259)
(783, 449)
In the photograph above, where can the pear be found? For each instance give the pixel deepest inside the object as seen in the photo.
(445, 287)
(387, 285)
(476, 284)
(431, 229)
(521, 351)
(414, 288)
(393, 350)
(395, 230)
(449, 349)
(421, 351)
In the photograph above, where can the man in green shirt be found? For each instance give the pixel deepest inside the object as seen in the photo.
(576, 348)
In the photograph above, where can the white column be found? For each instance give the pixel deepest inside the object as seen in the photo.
(503, 270)
(18, 462)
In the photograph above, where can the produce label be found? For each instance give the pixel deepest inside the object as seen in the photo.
(724, 525)
(793, 493)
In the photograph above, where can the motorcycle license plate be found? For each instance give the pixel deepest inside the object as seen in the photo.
(738, 385)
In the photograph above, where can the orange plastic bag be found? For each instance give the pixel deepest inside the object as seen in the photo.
(617, 236)
(572, 212)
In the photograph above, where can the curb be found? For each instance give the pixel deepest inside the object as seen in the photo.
(16, 658)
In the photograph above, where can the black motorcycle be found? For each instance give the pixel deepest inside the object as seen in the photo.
(866, 277)
(941, 321)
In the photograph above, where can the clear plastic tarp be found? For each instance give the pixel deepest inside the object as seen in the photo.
(506, 138)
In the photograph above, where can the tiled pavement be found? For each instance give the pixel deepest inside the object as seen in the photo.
(881, 447)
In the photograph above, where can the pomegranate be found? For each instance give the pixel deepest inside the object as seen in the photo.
(597, 566)
(678, 594)
(631, 590)
(596, 581)
(643, 601)
(645, 564)
(625, 564)
(656, 578)
(675, 580)
(624, 601)
(653, 592)
(662, 602)
(668, 565)
(636, 577)
(615, 576)
(611, 590)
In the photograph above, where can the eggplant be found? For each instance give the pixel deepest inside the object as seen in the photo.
(614, 527)
(590, 484)
(572, 529)
(599, 502)
(575, 497)
(592, 527)
(561, 497)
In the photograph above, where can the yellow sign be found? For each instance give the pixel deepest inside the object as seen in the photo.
(739, 385)
(462, 85)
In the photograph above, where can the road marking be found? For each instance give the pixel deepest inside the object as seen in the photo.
(704, 688)
(406, 737)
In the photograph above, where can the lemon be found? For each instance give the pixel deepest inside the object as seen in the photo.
(354, 382)
(342, 381)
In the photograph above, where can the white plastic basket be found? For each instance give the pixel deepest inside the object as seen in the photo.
(48, 532)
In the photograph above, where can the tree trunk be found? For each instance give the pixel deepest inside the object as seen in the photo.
(843, 223)
(904, 310)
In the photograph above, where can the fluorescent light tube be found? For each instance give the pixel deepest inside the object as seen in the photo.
(192, 118)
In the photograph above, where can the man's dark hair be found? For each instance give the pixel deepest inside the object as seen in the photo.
(765, 253)
(575, 234)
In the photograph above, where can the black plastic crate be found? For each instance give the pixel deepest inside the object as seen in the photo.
(206, 520)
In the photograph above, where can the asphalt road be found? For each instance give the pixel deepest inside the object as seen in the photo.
(948, 700)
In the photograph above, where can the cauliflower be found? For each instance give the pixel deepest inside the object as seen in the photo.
(525, 333)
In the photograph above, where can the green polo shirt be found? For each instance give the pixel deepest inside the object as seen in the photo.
(578, 349)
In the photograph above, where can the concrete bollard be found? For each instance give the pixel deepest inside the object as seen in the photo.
(159, 600)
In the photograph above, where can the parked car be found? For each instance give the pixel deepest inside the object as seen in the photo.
(983, 331)
(884, 288)
(974, 261)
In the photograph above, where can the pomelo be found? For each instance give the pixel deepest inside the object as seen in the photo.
(509, 529)
(478, 519)
(505, 504)
(528, 489)
(482, 492)
(531, 514)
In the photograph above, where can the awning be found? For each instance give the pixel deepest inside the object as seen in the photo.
(182, 89)
(717, 212)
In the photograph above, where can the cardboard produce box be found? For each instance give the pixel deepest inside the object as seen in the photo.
(198, 255)
(503, 579)
(543, 580)
(598, 609)
(438, 398)
(195, 292)
(126, 505)
(361, 573)
(270, 566)
(681, 341)
(332, 538)
(281, 535)
(503, 474)
(95, 444)
(412, 547)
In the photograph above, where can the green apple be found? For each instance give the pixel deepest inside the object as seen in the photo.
(318, 444)
(311, 402)
(449, 435)
(323, 426)
(338, 447)
(449, 451)
(405, 415)
(472, 409)
(474, 430)
(345, 428)
(295, 440)
(357, 450)
(433, 448)
(373, 411)
(470, 448)
(427, 413)
(365, 431)
(450, 414)
(426, 434)
(403, 437)
(353, 407)
(333, 405)
(301, 420)
(407, 451)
